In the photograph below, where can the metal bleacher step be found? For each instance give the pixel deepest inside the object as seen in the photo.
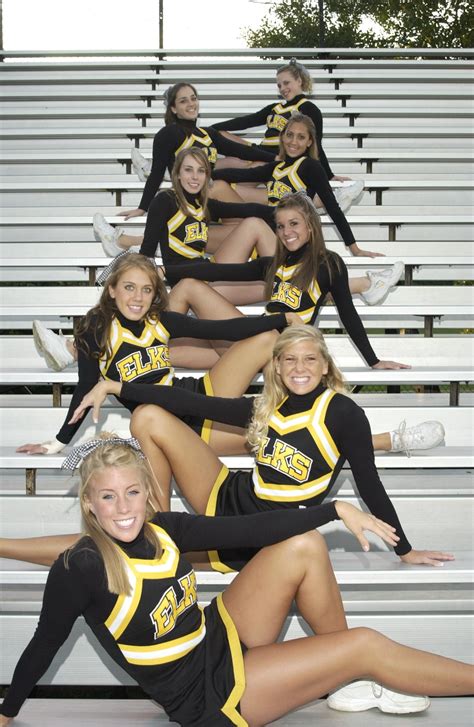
(454, 711)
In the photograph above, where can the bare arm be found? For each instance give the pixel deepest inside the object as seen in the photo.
(42, 551)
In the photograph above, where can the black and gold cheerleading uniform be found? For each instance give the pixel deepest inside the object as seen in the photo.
(180, 135)
(309, 438)
(294, 174)
(187, 658)
(138, 351)
(286, 297)
(276, 117)
(183, 237)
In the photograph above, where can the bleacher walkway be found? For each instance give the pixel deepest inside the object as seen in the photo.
(404, 125)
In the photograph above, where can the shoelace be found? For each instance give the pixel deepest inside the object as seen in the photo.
(401, 434)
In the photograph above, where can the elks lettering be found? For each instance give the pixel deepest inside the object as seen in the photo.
(164, 615)
(287, 294)
(276, 122)
(133, 365)
(286, 459)
(279, 189)
(196, 231)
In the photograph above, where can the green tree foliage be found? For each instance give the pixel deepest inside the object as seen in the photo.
(401, 23)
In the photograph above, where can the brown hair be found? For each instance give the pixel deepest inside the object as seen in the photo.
(106, 309)
(299, 72)
(169, 97)
(201, 157)
(316, 251)
(297, 118)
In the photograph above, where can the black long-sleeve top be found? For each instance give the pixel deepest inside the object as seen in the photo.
(346, 422)
(275, 117)
(183, 236)
(287, 297)
(172, 138)
(81, 589)
(138, 350)
(293, 175)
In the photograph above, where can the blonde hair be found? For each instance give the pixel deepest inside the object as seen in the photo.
(274, 391)
(315, 253)
(113, 455)
(297, 118)
(299, 72)
(201, 158)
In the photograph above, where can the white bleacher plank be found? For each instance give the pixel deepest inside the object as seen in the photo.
(142, 713)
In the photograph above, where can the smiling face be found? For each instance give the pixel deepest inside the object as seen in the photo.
(117, 497)
(292, 229)
(288, 86)
(133, 294)
(192, 175)
(186, 105)
(301, 367)
(296, 139)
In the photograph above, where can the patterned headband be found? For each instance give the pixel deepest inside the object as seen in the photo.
(82, 451)
(100, 280)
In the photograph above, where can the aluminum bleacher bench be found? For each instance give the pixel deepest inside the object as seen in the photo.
(410, 306)
(117, 188)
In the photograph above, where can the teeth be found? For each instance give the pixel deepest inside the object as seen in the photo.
(125, 523)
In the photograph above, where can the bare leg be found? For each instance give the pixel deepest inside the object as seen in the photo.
(127, 241)
(252, 194)
(224, 192)
(382, 442)
(164, 439)
(282, 677)
(359, 285)
(240, 242)
(43, 550)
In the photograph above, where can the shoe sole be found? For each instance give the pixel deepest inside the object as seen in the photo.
(40, 347)
(363, 706)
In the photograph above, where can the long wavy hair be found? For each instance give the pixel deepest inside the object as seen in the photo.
(170, 100)
(112, 455)
(299, 72)
(274, 391)
(316, 253)
(201, 158)
(99, 318)
(297, 118)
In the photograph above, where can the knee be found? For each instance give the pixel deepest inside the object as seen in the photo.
(310, 545)
(366, 640)
(187, 287)
(143, 419)
(218, 186)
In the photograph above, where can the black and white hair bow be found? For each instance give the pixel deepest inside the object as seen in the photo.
(82, 451)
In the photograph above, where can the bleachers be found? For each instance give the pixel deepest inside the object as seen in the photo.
(402, 124)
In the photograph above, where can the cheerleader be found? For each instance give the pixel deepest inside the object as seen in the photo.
(301, 430)
(219, 665)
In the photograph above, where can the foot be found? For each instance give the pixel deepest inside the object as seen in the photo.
(348, 194)
(422, 436)
(107, 235)
(361, 695)
(141, 166)
(381, 282)
(52, 347)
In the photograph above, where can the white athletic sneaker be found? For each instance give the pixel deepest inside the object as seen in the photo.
(422, 436)
(381, 282)
(348, 194)
(361, 695)
(107, 235)
(141, 166)
(52, 347)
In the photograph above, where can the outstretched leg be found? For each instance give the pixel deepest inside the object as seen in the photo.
(282, 677)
